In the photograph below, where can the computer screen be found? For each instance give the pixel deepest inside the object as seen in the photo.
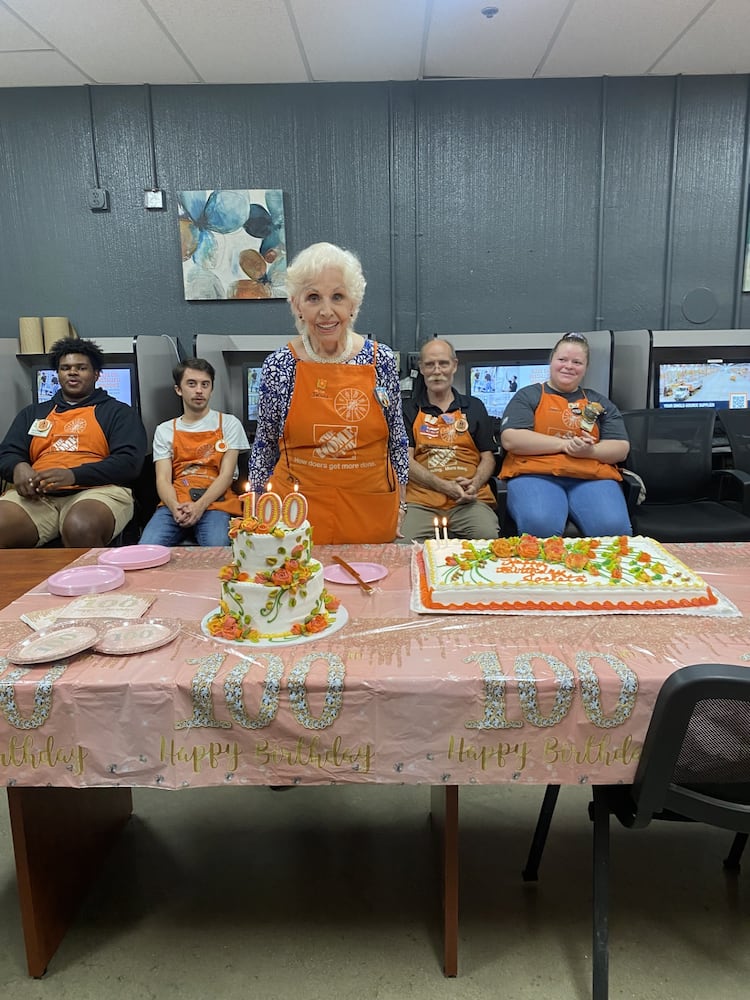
(250, 386)
(119, 380)
(714, 382)
(495, 385)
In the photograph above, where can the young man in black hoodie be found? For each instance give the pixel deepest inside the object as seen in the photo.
(71, 459)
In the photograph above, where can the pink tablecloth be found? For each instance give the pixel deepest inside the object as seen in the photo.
(392, 697)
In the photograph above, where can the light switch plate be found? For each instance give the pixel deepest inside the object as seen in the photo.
(153, 198)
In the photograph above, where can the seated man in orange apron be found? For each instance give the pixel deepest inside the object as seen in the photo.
(71, 459)
(451, 456)
(195, 457)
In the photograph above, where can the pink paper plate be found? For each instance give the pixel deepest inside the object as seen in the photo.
(370, 572)
(54, 643)
(136, 556)
(123, 637)
(77, 580)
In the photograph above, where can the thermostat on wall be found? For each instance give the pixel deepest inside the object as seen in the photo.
(153, 198)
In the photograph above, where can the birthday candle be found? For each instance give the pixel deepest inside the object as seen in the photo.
(248, 502)
(437, 529)
(445, 529)
(294, 508)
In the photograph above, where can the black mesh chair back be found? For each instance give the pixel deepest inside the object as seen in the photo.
(736, 423)
(686, 499)
(671, 451)
(695, 761)
(694, 766)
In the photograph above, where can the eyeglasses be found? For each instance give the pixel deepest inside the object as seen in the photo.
(430, 366)
(575, 336)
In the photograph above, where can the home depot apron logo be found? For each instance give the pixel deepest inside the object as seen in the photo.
(73, 428)
(351, 404)
(335, 442)
(440, 459)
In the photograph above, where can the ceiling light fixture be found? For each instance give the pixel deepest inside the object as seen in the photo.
(489, 12)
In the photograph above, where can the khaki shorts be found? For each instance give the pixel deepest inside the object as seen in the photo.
(49, 513)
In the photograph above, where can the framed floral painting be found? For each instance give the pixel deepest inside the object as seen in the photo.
(233, 244)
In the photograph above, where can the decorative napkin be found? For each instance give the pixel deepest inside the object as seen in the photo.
(111, 605)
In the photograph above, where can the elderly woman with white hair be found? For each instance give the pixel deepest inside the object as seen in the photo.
(329, 408)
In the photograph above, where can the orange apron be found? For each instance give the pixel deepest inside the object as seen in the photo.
(335, 445)
(443, 445)
(196, 462)
(559, 418)
(75, 438)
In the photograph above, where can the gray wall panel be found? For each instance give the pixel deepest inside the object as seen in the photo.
(477, 207)
(508, 189)
(708, 194)
(638, 139)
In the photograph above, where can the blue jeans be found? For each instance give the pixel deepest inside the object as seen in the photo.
(212, 529)
(540, 505)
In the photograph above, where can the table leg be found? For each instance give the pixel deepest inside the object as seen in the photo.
(60, 838)
(444, 816)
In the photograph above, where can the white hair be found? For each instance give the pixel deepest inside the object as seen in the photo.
(309, 264)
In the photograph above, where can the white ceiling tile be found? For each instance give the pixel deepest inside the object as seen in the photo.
(719, 42)
(235, 41)
(462, 42)
(37, 69)
(359, 40)
(291, 41)
(616, 38)
(15, 35)
(112, 42)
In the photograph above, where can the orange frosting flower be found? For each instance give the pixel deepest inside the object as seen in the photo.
(576, 560)
(316, 624)
(281, 577)
(554, 549)
(501, 547)
(528, 547)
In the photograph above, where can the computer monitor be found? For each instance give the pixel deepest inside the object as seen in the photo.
(495, 384)
(118, 379)
(250, 385)
(688, 380)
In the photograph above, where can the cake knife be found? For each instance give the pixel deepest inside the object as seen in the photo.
(352, 572)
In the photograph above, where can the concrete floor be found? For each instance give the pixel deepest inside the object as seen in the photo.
(331, 892)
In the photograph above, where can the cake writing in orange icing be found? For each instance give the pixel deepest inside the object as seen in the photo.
(272, 588)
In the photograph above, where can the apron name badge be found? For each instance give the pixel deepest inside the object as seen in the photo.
(462, 424)
(40, 428)
(382, 396)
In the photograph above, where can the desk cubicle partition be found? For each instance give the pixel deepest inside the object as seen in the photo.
(155, 358)
(230, 355)
(638, 353)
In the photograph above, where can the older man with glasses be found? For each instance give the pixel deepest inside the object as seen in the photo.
(451, 454)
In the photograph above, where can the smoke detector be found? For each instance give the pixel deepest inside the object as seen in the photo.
(489, 12)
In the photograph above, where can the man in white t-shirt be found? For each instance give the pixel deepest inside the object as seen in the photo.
(195, 457)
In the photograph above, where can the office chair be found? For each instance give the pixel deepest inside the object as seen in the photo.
(736, 423)
(694, 766)
(686, 499)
